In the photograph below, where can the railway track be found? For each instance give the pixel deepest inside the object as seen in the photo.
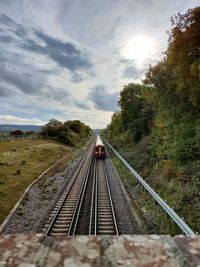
(65, 217)
(102, 216)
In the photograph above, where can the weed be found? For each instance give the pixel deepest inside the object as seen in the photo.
(20, 211)
(18, 171)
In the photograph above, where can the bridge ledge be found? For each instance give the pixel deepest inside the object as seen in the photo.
(128, 250)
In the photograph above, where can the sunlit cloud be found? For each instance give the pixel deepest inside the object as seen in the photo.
(139, 48)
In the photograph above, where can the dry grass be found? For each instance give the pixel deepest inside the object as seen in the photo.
(21, 162)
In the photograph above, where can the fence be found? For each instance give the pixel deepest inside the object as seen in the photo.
(4, 136)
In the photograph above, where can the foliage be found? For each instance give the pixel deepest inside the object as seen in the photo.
(135, 113)
(183, 55)
(115, 127)
(135, 117)
(174, 92)
(69, 132)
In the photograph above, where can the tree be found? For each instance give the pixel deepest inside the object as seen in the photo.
(135, 113)
(54, 123)
(183, 55)
(115, 127)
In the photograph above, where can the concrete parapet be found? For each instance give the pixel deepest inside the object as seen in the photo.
(137, 250)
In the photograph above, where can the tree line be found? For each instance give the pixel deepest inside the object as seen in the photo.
(166, 106)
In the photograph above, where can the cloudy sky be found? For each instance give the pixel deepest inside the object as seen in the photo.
(69, 59)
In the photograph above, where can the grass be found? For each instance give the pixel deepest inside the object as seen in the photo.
(155, 221)
(21, 162)
(177, 185)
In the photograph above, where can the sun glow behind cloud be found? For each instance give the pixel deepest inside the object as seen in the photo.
(139, 48)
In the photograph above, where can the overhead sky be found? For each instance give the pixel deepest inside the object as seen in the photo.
(69, 59)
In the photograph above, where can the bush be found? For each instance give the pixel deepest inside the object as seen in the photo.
(69, 132)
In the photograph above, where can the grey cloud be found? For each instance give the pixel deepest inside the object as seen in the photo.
(77, 78)
(59, 95)
(130, 69)
(132, 72)
(7, 20)
(66, 55)
(11, 26)
(26, 82)
(59, 45)
(103, 100)
(5, 90)
(33, 47)
(81, 104)
(11, 81)
(9, 30)
(5, 39)
(64, 97)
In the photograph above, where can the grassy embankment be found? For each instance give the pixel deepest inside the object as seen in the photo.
(177, 185)
(21, 162)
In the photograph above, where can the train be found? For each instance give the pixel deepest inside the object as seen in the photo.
(99, 148)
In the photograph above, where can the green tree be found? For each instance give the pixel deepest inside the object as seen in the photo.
(115, 127)
(69, 132)
(135, 112)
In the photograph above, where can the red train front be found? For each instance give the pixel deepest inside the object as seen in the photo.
(99, 148)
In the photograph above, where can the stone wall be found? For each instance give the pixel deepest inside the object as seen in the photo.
(86, 251)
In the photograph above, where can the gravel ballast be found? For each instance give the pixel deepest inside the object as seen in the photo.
(127, 219)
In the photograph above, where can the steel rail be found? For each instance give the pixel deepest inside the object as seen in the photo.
(110, 198)
(93, 202)
(69, 187)
(96, 201)
(105, 216)
(77, 209)
(174, 216)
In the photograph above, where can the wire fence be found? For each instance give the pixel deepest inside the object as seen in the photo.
(5, 136)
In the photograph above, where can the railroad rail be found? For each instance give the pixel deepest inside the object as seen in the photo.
(102, 215)
(65, 217)
(175, 218)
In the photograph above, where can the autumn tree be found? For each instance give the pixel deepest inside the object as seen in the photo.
(174, 91)
(183, 55)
